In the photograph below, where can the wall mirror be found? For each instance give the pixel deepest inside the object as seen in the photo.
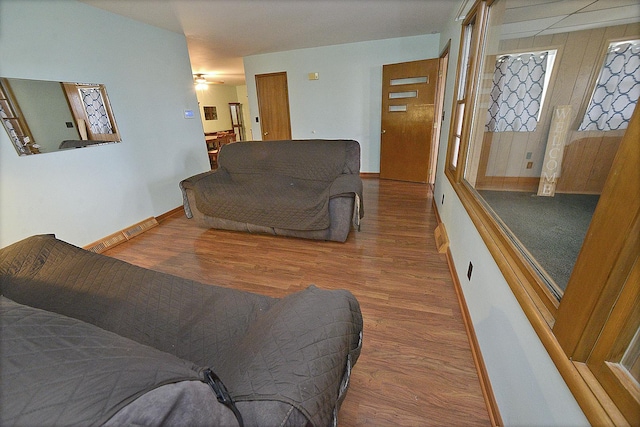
(552, 96)
(47, 116)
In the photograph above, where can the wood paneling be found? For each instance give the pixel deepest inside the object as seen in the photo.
(416, 366)
(585, 165)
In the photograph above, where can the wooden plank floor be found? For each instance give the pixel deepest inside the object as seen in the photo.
(416, 367)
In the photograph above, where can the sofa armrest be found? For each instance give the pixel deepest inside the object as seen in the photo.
(300, 351)
(350, 184)
(346, 184)
(190, 182)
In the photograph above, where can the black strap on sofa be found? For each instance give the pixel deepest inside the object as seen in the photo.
(222, 394)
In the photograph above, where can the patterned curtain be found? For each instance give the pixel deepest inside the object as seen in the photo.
(96, 112)
(516, 95)
(617, 90)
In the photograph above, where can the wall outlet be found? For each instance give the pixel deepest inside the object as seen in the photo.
(529, 165)
(469, 270)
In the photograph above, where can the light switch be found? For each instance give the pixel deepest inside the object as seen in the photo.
(314, 76)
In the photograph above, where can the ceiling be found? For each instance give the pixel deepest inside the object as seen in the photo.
(220, 33)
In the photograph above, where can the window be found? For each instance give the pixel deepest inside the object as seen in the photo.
(520, 82)
(464, 73)
(92, 111)
(588, 324)
(617, 90)
(96, 110)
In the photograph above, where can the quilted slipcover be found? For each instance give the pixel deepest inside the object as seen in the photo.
(57, 370)
(279, 184)
(297, 350)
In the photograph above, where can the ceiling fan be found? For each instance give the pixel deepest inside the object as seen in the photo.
(201, 79)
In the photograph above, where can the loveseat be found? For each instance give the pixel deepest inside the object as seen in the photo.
(300, 188)
(92, 340)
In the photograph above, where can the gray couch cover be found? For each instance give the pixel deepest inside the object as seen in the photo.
(91, 340)
(301, 188)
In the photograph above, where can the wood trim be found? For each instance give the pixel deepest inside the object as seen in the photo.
(508, 183)
(369, 175)
(483, 375)
(170, 213)
(129, 233)
(121, 236)
(602, 396)
(607, 255)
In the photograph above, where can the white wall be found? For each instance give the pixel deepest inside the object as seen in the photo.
(346, 100)
(528, 388)
(243, 99)
(85, 194)
(218, 96)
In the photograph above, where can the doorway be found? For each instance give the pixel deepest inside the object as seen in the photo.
(409, 92)
(273, 106)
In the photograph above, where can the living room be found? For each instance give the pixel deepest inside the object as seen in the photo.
(87, 194)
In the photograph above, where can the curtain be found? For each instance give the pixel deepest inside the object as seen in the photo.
(516, 94)
(96, 112)
(616, 93)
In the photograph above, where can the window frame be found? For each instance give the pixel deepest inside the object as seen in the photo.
(593, 79)
(538, 303)
(463, 99)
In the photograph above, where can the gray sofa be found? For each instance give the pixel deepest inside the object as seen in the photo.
(300, 188)
(91, 340)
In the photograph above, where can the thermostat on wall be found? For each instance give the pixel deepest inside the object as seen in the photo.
(188, 114)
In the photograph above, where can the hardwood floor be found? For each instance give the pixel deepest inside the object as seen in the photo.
(416, 365)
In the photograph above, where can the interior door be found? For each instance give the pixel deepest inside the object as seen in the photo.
(408, 106)
(273, 106)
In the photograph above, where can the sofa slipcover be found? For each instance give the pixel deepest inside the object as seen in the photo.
(301, 188)
(285, 361)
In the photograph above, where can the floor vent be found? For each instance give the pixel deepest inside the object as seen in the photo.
(139, 228)
(121, 236)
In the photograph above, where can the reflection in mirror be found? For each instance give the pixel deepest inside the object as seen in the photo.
(46, 116)
(552, 106)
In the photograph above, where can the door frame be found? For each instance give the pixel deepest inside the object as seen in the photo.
(439, 111)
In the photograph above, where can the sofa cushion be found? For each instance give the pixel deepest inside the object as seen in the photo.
(316, 159)
(265, 199)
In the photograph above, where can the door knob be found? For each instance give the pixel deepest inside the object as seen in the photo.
(384, 131)
(266, 133)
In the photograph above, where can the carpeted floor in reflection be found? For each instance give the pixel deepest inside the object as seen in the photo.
(551, 228)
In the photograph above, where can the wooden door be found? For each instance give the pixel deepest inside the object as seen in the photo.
(273, 106)
(408, 105)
